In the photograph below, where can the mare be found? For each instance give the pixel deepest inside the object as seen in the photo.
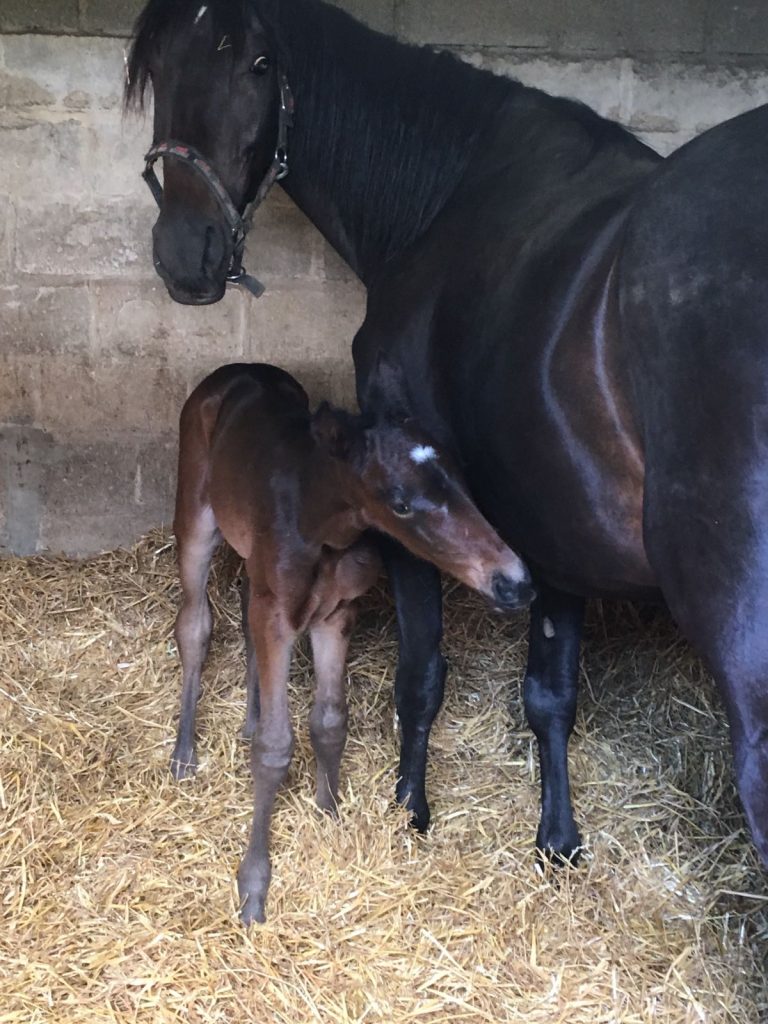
(584, 324)
(293, 494)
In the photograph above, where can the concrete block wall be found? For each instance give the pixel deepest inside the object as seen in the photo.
(95, 360)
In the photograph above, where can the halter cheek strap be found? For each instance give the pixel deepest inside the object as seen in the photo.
(238, 224)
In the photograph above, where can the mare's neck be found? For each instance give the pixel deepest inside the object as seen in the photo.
(384, 132)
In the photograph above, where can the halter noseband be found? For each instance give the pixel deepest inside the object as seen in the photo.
(238, 224)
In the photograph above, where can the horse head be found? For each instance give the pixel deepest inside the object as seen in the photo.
(221, 114)
(407, 486)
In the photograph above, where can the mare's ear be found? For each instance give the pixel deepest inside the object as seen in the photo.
(336, 431)
(386, 393)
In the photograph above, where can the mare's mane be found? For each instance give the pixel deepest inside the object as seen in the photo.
(388, 129)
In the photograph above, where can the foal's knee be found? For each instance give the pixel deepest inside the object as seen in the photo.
(328, 724)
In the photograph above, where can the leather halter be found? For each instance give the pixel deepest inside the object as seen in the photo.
(238, 224)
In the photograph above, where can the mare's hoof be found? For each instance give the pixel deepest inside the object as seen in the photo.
(252, 911)
(417, 804)
(327, 804)
(183, 765)
(558, 855)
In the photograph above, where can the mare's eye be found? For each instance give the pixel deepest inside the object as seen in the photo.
(261, 65)
(402, 509)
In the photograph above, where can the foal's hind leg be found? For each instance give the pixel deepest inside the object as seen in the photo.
(328, 719)
(551, 688)
(271, 748)
(251, 669)
(197, 539)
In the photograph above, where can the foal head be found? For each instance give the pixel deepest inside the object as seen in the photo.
(406, 487)
(217, 92)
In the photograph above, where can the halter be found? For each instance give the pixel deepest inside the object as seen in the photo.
(238, 224)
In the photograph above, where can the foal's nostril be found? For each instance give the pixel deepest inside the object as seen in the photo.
(509, 593)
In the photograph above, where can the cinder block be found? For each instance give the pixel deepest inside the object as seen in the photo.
(18, 92)
(378, 14)
(20, 386)
(689, 98)
(141, 321)
(6, 236)
(38, 16)
(24, 453)
(95, 239)
(80, 536)
(107, 18)
(84, 399)
(108, 477)
(736, 28)
(595, 82)
(282, 243)
(39, 321)
(115, 149)
(658, 26)
(308, 330)
(68, 66)
(43, 158)
(480, 23)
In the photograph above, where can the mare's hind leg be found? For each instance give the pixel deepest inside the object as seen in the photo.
(271, 748)
(251, 669)
(551, 689)
(420, 677)
(197, 537)
(714, 575)
(328, 719)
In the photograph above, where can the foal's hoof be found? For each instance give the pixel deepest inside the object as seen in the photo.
(183, 765)
(417, 804)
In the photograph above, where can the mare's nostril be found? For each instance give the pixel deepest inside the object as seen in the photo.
(509, 593)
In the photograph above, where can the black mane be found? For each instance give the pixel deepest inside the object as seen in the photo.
(386, 127)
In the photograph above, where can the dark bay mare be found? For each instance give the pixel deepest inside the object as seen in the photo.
(583, 324)
(294, 495)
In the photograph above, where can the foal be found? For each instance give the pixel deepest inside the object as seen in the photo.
(293, 493)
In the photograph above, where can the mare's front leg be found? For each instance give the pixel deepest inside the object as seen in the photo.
(197, 538)
(421, 668)
(551, 688)
(328, 718)
(271, 746)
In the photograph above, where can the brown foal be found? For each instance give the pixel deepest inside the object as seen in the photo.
(293, 494)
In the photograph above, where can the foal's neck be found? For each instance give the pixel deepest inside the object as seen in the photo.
(330, 513)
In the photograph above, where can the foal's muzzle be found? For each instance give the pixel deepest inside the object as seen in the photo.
(510, 593)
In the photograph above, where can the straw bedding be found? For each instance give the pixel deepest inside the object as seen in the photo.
(118, 893)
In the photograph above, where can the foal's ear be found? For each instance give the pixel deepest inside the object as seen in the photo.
(335, 430)
(386, 394)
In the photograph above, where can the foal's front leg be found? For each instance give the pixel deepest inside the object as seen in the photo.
(271, 747)
(420, 678)
(328, 719)
(551, 689)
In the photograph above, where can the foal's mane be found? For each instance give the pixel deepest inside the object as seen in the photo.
(388, 129)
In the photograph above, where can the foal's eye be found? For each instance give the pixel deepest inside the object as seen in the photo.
(261, 65)
(402, 509)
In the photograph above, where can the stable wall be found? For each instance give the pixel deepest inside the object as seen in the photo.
(96, 360)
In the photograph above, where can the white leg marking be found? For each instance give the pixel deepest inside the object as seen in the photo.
(548, 627)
